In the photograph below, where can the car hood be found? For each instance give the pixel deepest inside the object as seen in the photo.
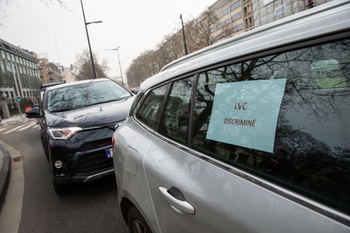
(99, 114)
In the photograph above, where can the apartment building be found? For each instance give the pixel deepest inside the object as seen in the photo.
(49, 72)
(229, 18)
(232, 17)
(267, 11)
(19, 78)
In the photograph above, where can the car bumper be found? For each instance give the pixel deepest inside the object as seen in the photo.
(84, 159)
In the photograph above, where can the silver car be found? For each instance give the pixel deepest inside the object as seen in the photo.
(244, 138)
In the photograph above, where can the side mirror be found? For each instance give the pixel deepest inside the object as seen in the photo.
(134, 90)
(33, 113)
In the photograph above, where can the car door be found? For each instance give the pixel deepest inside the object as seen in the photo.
(200, 182)
(189, 192)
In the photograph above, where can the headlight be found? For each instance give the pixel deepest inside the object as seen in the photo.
(63, 133)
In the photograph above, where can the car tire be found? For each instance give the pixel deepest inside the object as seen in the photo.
(61, 189)
(136, 222)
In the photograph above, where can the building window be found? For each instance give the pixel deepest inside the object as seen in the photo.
(238, 27)
(236, 16)
(2, 67)
(235, 5)
(8, 67)
(224, 23)
(223, 13)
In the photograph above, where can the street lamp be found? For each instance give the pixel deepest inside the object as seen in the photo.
(120, 66)
(87, 35)
(183, 35)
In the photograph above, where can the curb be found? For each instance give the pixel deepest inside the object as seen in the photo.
(4, 174)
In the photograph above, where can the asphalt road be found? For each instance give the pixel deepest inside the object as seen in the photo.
(91, 207)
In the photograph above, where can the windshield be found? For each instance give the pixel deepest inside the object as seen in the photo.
(82, 95)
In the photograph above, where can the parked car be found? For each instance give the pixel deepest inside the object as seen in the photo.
(45, 85)
(77, 121)
(248, 135)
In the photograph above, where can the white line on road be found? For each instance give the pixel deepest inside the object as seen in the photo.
(13, 129)
(26, 127)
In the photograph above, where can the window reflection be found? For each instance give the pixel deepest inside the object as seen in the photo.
(312, 148)
(150, 108)
(82, 95)
(175, 120)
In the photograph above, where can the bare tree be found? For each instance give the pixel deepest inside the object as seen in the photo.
(83, 62)
(151, 62)
(47, 2)
(139, 70)
(201, 29)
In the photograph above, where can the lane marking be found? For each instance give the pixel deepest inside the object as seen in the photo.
(18, 127)
(21, 127)
(26, 127)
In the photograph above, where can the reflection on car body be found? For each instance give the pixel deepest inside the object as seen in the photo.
(278, 163)
(76, 123)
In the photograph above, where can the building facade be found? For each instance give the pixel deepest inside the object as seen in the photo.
(68, 74)
(230, 17)
(267, 11)
(49, 72)
(19, 79)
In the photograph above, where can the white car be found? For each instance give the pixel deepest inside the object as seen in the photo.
(247, 135)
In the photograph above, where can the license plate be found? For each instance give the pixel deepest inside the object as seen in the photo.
(109, 153)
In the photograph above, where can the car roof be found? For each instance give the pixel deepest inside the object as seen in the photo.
(318, 21)
(45, 85)
(78, 83)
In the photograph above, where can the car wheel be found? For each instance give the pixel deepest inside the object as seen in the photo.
(136, 222)
(61, 189)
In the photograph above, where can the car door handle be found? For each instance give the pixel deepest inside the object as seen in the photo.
(176, 200)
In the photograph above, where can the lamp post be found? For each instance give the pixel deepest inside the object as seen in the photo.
(15, 77)
(120, 66)
(88, 39)
(183, 35)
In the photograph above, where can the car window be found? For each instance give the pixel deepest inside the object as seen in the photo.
(136, 101)
(149, 111)
(82, 95)
(283, 118)
(175, 120)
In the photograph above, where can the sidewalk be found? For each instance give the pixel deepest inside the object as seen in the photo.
(11, 184)
(5, 168)
(5, 163)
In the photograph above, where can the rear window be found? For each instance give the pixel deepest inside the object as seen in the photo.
(284, 118)
(149, 111)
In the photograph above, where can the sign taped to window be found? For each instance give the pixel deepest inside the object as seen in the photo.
(245, 113)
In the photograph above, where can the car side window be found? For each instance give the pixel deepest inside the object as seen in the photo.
(282, 117)
(149, 111)
(175, 120)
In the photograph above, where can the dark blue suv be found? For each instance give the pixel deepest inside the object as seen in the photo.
(77, 121)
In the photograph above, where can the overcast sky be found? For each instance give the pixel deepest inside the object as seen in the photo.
(59, 34)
